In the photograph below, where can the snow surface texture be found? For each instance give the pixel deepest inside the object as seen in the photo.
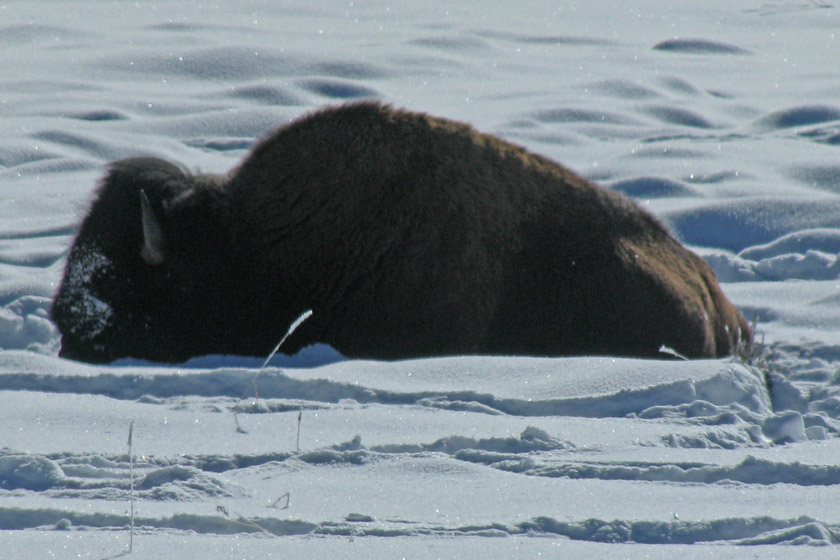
(722, 118)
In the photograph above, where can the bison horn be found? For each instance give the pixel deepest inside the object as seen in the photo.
(153, 241)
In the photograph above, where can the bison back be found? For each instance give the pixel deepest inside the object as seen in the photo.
(410, 235)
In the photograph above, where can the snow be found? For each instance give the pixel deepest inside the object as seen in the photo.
(721, 118)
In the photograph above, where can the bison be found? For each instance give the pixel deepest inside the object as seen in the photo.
(407, 235)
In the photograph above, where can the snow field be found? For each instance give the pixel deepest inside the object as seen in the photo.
(721, 119)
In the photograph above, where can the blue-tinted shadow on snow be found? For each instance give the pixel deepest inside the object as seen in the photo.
(738, 224)
(309, 357)
(698, 46)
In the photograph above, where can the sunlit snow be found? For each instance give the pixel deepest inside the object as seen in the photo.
(721, 118)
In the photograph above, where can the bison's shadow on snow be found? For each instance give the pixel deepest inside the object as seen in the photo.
(407, 235)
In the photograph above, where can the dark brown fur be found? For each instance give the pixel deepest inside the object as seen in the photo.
(407, 235)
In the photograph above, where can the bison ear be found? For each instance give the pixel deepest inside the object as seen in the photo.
(154, 243)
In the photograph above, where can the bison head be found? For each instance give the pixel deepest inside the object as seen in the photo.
(148, 269)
